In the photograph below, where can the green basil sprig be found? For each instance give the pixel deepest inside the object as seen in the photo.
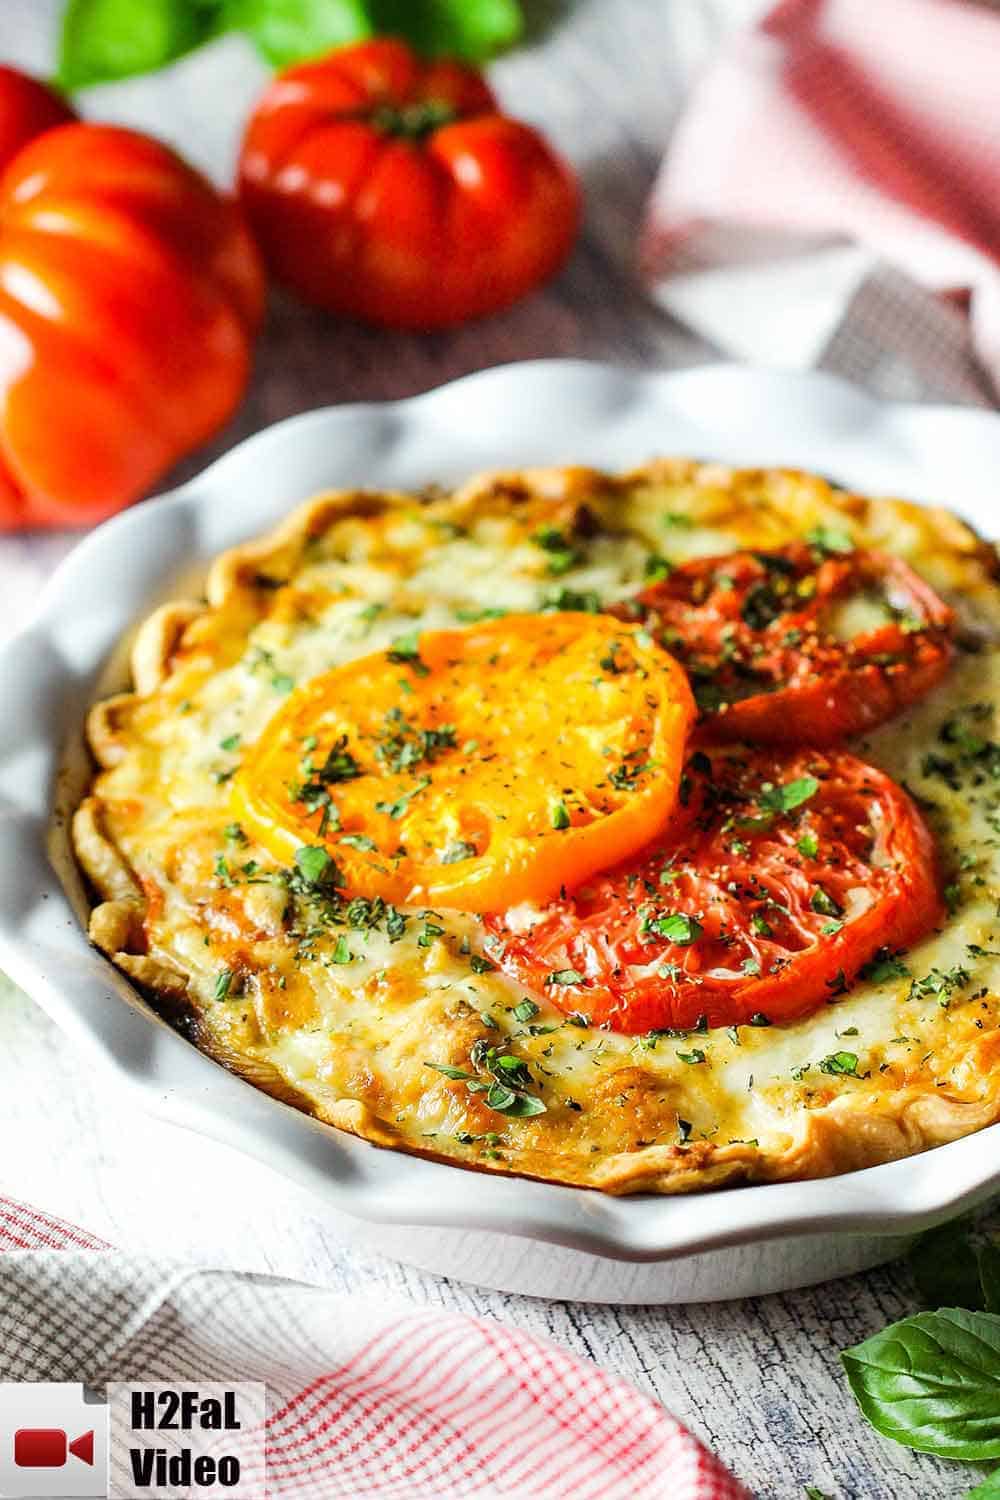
(945, 1268)
(104, 40)
(932, 1381)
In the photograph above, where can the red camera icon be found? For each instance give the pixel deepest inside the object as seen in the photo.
(49, 1447)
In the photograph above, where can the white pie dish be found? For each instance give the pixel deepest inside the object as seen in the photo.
(517, 1235)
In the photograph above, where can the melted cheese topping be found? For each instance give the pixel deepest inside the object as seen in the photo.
(352, 1009)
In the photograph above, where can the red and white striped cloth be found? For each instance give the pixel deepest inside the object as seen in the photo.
(364, 1403)
(832, 139)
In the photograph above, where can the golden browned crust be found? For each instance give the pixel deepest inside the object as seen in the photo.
(839, 1136)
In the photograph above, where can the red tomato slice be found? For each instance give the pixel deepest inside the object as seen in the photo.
(776, 881)
(767, 641)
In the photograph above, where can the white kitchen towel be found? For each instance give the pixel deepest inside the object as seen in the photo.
(364, 1401)
(831, 141)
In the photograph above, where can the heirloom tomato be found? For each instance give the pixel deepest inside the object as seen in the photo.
(130, 293)
(393, 190)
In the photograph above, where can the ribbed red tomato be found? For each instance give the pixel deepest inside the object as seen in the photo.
(779, 878)
(27, 108)
(392, 190)
(758, 634)
(130, 293)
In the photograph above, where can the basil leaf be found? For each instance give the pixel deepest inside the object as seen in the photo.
(944, 1268)
(104, 40)
(989, 1276)
(286, 31)
(932, 1382)
(107, 39)
(988, 1490)
(471, 29)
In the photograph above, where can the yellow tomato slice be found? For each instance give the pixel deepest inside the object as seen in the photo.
(475, 768)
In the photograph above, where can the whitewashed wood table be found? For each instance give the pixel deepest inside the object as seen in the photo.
(760, 1381)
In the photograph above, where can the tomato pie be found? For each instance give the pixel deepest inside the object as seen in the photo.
(638, 832)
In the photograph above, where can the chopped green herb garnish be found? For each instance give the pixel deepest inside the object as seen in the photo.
(562, 554)
(884, 965)
(223, 984)
(504, 1080)
(789, 796)
(824, 903)
(829, 539)
(455, 853)
(405, 647)
(369, 614)
(405, 650)
(402, 745)
(315, 867)
(472, 616)
(657, 567)
(941, 984)
(458, 1075)
(677, 927)
(843, 1064)
(573, 600)
(339, 765)
(399, 808)
(395, 924)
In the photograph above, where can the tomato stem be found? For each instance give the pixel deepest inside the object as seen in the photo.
(414, 121)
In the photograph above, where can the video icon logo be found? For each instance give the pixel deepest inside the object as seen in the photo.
(49, 1447)
(53, 1442)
